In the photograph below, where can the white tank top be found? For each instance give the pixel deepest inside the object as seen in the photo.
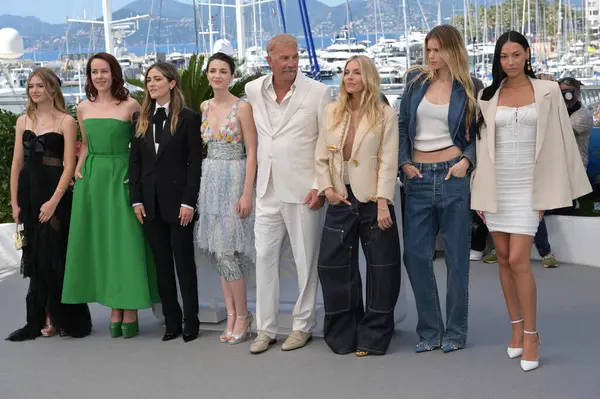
(433, 133)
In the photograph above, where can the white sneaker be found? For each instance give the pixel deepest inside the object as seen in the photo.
(476, 255)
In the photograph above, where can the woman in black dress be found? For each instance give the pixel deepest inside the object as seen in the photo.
(42, 167)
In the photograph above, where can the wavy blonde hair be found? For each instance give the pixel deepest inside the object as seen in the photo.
(176, 104)
(370, 102)
(455, 55)
(51, 84)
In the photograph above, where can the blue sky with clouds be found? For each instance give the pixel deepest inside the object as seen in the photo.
(56, 11)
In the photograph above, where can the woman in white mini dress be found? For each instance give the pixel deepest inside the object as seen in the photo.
(528, 162)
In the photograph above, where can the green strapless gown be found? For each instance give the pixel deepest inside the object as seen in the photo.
(108, 259)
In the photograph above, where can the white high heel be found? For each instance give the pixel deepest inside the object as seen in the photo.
(528, 365)
(513, 353)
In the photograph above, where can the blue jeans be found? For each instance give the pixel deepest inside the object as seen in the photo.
(433, 201)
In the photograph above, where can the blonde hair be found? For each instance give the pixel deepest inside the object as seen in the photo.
(370, 103)
(52, 87)
(282, 38)
(176, 104)
(455, 55)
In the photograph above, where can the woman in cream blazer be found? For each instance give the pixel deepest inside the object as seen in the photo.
(527, 162)
(356, 168)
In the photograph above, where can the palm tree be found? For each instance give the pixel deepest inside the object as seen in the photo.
(195, 86)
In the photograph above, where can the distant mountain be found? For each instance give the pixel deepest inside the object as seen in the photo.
(177, 21)
(30, 26)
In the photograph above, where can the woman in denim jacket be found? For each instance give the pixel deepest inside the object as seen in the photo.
(437, 126)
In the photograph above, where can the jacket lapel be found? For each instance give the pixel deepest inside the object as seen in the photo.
(297, 97)
(542, 107)
(488, 110)
(416, 99)
(260, 109)
(359, 135)
(166, 136)
(457, 101)
(149, 139)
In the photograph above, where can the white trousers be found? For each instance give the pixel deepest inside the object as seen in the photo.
(304, 227)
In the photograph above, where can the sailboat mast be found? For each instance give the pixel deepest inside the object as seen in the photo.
(260, 29)
(407, 43)
(439, 15)
(239, 29)
(210, 27)
(559, 30)
(223, 18)
(586, 33)
(498, 22)
(465, 19)
(529, 18)
(375, 3)
(108, 35)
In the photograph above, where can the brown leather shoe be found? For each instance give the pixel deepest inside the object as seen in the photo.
(296, 340)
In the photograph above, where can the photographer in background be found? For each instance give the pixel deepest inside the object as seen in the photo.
(581, 119)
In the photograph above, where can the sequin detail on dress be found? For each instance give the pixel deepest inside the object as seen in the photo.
(219, 230)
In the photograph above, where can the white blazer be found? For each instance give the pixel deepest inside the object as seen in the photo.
(558, 177)
(288, 151)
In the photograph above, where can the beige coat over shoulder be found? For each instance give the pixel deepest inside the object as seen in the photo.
(373, 164)
(559, 176)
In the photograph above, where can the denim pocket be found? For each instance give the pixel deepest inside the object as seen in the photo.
(334, 271)
(383, 255)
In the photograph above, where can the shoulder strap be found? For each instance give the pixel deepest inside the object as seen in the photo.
(60, 123)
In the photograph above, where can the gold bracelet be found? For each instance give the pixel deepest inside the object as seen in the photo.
(59, 190)
(383, 209)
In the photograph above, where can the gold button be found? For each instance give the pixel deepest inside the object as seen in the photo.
(355, 162)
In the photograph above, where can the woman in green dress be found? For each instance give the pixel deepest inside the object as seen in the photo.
(108, 260)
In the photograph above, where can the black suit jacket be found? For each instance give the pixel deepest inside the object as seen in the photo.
(170, 177)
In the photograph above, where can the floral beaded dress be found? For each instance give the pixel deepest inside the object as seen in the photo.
(220, 231)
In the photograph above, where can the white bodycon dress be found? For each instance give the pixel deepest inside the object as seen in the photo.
(515, 159)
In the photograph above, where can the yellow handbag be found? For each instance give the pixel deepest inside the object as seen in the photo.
(19, 238)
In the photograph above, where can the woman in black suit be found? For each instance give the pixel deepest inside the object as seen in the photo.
(164, 177)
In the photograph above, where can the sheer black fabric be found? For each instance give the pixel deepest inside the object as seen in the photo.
(43, 259)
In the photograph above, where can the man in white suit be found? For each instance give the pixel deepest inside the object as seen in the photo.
(288, 110)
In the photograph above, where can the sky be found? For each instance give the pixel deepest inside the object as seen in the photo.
(56, 11)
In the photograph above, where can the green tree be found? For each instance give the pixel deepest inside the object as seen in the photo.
(8, 121)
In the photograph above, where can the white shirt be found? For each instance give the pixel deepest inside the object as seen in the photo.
(433, 133)
(276, 111)
(156, 145)
(166, 107)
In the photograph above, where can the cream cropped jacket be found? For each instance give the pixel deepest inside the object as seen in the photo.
(373, 164)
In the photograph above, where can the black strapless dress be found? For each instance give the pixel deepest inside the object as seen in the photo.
(43, 259)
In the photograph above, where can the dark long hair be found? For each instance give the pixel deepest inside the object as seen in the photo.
(498, 73)
(117, 88)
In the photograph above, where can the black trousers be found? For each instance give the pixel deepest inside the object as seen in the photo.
(349, 326)
(168, 241)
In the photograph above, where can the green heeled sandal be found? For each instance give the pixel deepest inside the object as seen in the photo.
(115, 329)
(130, 330)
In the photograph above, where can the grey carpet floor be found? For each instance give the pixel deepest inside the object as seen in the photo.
(98, 367)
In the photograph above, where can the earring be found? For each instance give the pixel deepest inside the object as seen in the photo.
(528, 65)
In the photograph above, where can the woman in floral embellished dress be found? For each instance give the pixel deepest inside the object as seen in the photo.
(226, 220)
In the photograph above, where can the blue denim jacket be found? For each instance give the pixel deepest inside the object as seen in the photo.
(407, 123)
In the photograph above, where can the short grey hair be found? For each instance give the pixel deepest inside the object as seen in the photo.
(282, 38)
